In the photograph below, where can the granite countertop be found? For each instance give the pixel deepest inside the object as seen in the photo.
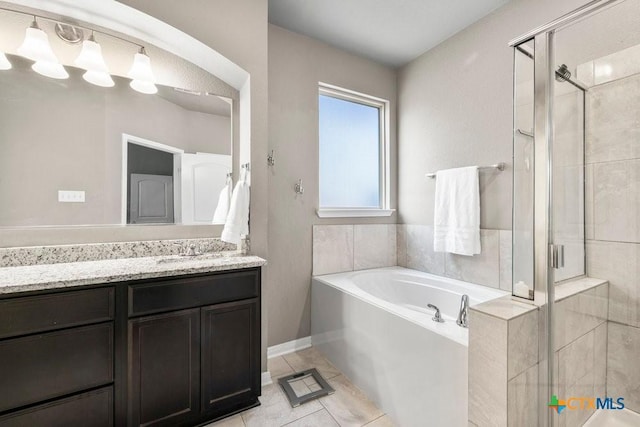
(64, 275)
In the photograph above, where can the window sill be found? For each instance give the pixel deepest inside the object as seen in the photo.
(353, 213)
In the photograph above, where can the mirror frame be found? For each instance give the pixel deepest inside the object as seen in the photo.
(131, 22)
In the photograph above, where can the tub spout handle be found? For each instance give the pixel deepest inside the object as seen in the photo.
(437, 317)
(463, 315)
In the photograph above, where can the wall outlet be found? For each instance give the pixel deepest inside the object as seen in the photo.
(66, 196)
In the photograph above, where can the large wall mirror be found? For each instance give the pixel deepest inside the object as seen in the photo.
(76, 153)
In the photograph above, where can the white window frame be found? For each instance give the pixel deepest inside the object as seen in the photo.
(385, 168)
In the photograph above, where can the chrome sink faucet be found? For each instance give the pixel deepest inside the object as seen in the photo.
(437, 317)
(463, 315)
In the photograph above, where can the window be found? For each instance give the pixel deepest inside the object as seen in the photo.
(353, 154)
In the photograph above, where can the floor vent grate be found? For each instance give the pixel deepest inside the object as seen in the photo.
(304, 386)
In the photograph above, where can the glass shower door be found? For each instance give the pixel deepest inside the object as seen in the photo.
(595, 215)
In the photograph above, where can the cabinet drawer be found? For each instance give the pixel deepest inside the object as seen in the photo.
(93, 409)
(45, 366)
(25, 315)
(179, 293)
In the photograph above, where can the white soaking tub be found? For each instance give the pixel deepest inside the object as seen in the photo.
(374, 325)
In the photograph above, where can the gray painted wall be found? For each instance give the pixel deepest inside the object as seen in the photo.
(296, 64)
(456, 110)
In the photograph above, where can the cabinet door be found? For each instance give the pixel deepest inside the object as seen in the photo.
(164, 355)
(230, 355)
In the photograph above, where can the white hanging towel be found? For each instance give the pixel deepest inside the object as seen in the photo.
(457, 211)
(222, 210)
(237, 223)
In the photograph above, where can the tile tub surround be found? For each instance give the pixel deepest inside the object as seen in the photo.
(340, 248)
(64, 275)
(347, 407)
(490, 268)
(504, 358)
(37, 255)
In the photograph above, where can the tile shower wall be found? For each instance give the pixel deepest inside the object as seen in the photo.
(340, 248)
(581, 349)
(613, 219)
(490, 268)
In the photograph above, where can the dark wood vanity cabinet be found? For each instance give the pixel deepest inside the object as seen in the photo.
(57, 358)
(194, 348)
(178, 351)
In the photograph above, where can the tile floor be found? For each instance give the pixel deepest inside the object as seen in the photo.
(347, 407)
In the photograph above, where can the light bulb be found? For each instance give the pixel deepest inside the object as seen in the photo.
(142, 79)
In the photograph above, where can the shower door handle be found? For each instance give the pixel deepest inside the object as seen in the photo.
(557, 256)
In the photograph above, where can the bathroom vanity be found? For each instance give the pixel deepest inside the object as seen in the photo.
(148, 341)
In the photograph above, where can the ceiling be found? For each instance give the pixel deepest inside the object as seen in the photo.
(392, 32)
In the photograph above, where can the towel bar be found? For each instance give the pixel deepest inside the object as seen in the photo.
(499, 166)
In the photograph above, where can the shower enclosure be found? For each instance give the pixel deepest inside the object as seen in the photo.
(576, 209)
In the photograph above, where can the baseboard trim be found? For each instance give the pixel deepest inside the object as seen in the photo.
(265, 379)
(288, 347)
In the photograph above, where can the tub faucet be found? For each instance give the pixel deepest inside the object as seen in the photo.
(437, 317)
(464, 312)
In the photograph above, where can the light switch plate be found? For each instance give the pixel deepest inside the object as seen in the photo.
(69, 196)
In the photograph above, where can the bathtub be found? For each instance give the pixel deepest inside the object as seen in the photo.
(374, 326)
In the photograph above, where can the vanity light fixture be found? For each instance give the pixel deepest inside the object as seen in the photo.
(4, 62)
(142, 79)
(37, 48)
(91, 59)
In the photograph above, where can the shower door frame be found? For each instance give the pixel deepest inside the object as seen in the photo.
(544, 272)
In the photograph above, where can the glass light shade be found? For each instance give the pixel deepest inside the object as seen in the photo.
(4, 62)
(55, 70)
(90, 57)
(142, 79)
(98, 78)
(143, 87)
(36, 46)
